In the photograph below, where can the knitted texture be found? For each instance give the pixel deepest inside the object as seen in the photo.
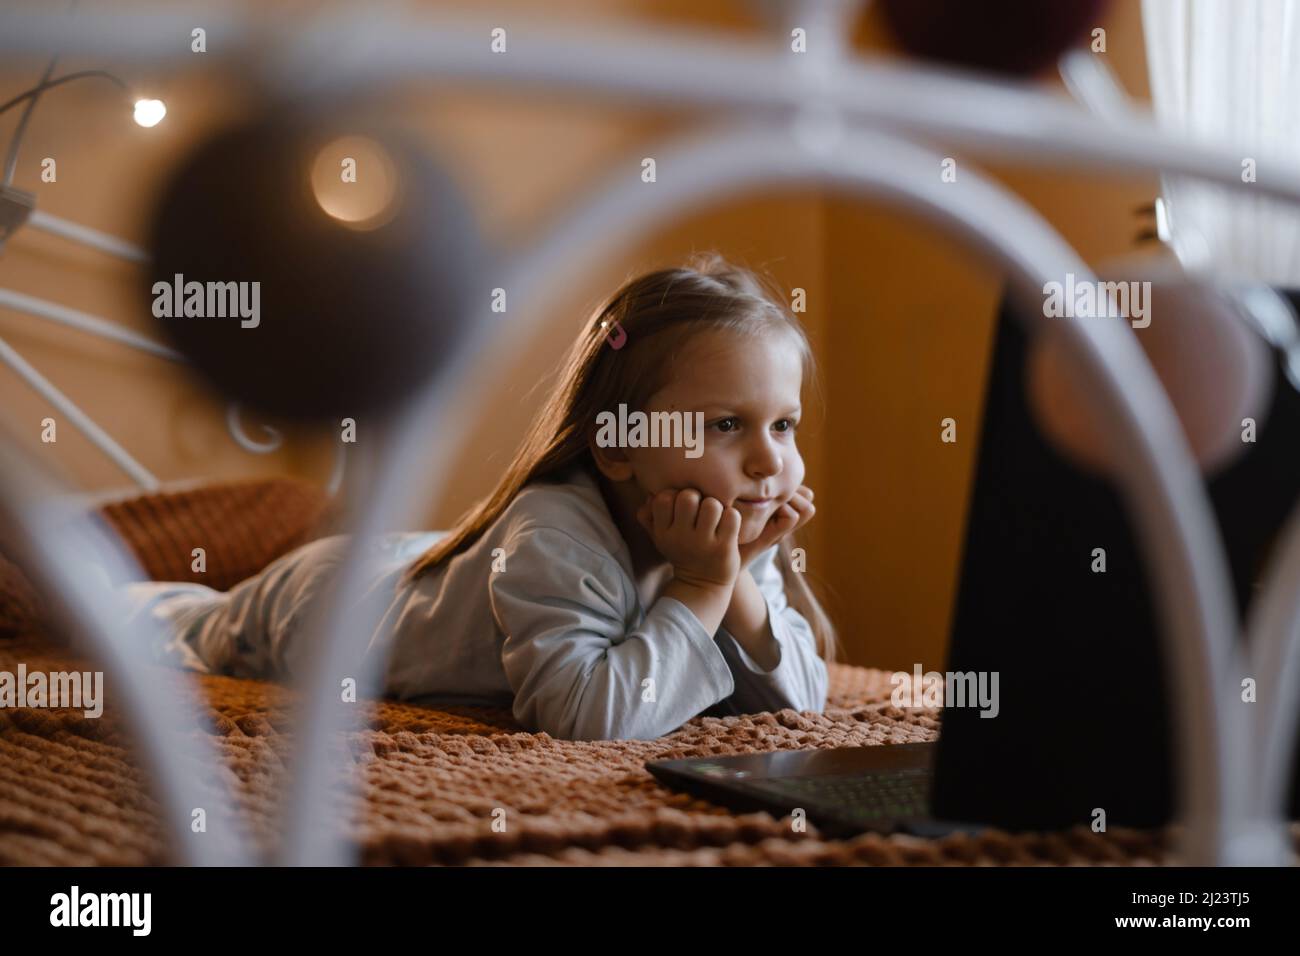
(241, 525)
(20, 606)
(71, 791)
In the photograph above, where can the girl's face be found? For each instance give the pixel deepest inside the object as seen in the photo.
(747, 388)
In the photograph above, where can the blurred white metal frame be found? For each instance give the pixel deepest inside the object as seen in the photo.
(843, 125)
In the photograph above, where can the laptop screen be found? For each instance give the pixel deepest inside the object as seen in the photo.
(1083, 720)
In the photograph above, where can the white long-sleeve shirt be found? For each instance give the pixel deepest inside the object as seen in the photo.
(541, 615)
(560, 633)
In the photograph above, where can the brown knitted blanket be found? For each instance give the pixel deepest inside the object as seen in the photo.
(71, 792)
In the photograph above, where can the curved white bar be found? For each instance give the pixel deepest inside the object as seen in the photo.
(58, 549)
(347, 50)
(236, 429)
(84, 322)
(352, 51)
(83, 422)
(1273, 631)
(112, 245)
(1162, 486)
(338, 471)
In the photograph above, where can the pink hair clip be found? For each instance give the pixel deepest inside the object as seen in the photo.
(615, 334)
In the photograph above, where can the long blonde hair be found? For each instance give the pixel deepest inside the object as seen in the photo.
(658, 311)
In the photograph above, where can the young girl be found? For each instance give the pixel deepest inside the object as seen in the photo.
(600, 591)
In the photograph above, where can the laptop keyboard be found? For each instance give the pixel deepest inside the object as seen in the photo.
(895, 793)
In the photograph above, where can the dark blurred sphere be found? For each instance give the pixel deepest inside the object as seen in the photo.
(358, 305)
(1018, 37)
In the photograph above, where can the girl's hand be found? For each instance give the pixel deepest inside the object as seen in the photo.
(792, 515)
(697, 536)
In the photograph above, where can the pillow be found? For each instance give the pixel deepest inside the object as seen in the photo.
(242, 526)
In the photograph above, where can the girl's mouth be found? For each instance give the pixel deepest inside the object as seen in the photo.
(753, 502)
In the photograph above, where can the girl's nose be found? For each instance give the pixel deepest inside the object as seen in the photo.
(764, 460)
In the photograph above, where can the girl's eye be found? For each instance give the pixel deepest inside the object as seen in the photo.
(732, 423)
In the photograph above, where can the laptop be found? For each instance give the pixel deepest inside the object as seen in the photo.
(843, 790)
(1083, 717)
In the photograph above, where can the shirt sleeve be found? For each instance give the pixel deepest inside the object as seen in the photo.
(799, 680)
(577, 669)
